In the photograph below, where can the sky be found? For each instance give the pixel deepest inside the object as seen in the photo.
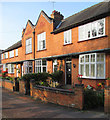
(14, 16)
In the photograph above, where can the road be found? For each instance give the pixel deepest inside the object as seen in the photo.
(21, 106)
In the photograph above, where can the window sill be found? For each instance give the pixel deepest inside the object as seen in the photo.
(41, 50)
(28, 53)
(93, 78)
(16, 56)
(11, 57)
(10, 73)
(67, 44)
(92, 38)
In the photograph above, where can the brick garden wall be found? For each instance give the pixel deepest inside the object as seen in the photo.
(7, 84)
(65, 98)
(22, 86)
(107, 100)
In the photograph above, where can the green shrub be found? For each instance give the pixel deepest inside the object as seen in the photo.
(36, 76)
(57, 76)
(93, 99)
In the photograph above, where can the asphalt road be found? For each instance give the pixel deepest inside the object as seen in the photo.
(20, 106)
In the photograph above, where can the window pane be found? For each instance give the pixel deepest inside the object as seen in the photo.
(82, 32)
(88, 30)
(102, 57)
(100, 70)
(94, 29)
(92, 70)
(101, 27)
(43, 62)
(82, 69)
(93, 58)
(82, 59)
(87, 69)
(44, 69)
(87, 58)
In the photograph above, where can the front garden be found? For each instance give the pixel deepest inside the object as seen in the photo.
(93, 97)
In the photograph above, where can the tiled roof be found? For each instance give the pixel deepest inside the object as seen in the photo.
(14, 46)
(95, 12)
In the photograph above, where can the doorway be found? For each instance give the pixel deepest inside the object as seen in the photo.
(68, 71)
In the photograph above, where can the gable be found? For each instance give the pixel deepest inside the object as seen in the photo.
(43, 18)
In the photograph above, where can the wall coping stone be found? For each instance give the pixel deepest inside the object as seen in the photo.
(7, 80)
(57, 90)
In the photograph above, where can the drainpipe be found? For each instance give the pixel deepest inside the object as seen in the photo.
(34, 48)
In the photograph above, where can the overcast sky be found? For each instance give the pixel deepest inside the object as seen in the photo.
(14, 16)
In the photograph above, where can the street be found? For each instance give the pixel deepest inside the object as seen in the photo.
(21, 106)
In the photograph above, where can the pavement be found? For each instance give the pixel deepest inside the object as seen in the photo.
(15, 105)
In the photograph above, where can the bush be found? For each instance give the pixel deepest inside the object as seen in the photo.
(36, 76)
(57, 76)
(93, 99)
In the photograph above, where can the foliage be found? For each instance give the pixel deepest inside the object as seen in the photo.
(11, 79)
(93, 99)
(36, 76)
(57, 76)
(4, 73)
(79, 78)
(89, 87)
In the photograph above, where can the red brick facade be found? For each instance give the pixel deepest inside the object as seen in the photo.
(55, 47)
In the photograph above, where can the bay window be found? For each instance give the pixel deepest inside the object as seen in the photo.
(67, 37)
(92, 65)
(28, 67)
(40, 66)
(10, 68)
(29, 45)
(92, 30)
(41, 41)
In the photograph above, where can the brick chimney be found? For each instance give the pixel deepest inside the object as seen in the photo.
(57, 18)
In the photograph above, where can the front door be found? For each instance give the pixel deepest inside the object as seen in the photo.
(68, 72)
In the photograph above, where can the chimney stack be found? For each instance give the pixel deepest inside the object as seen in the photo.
(57, 17)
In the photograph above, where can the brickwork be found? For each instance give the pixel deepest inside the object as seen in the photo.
(22, 87)
(66, 99)
(107, 100)
(7, 84)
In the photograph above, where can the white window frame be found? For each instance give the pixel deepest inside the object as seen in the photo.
(40, 66)
(66, 34)
(84, 27)
(40, 39)
(95, 77)
(16, 52)
(2, 56)
(6, 55)
(10, 67)
(54, 63)
(11, 53)
(26, 66)
(28, 45)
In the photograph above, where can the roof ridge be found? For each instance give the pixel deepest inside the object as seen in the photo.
(82, 11)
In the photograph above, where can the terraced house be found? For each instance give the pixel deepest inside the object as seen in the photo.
(79, 44)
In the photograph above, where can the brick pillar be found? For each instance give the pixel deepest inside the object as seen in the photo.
(22, 86)
(79, 96)
(32, 83)
(107, 100)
